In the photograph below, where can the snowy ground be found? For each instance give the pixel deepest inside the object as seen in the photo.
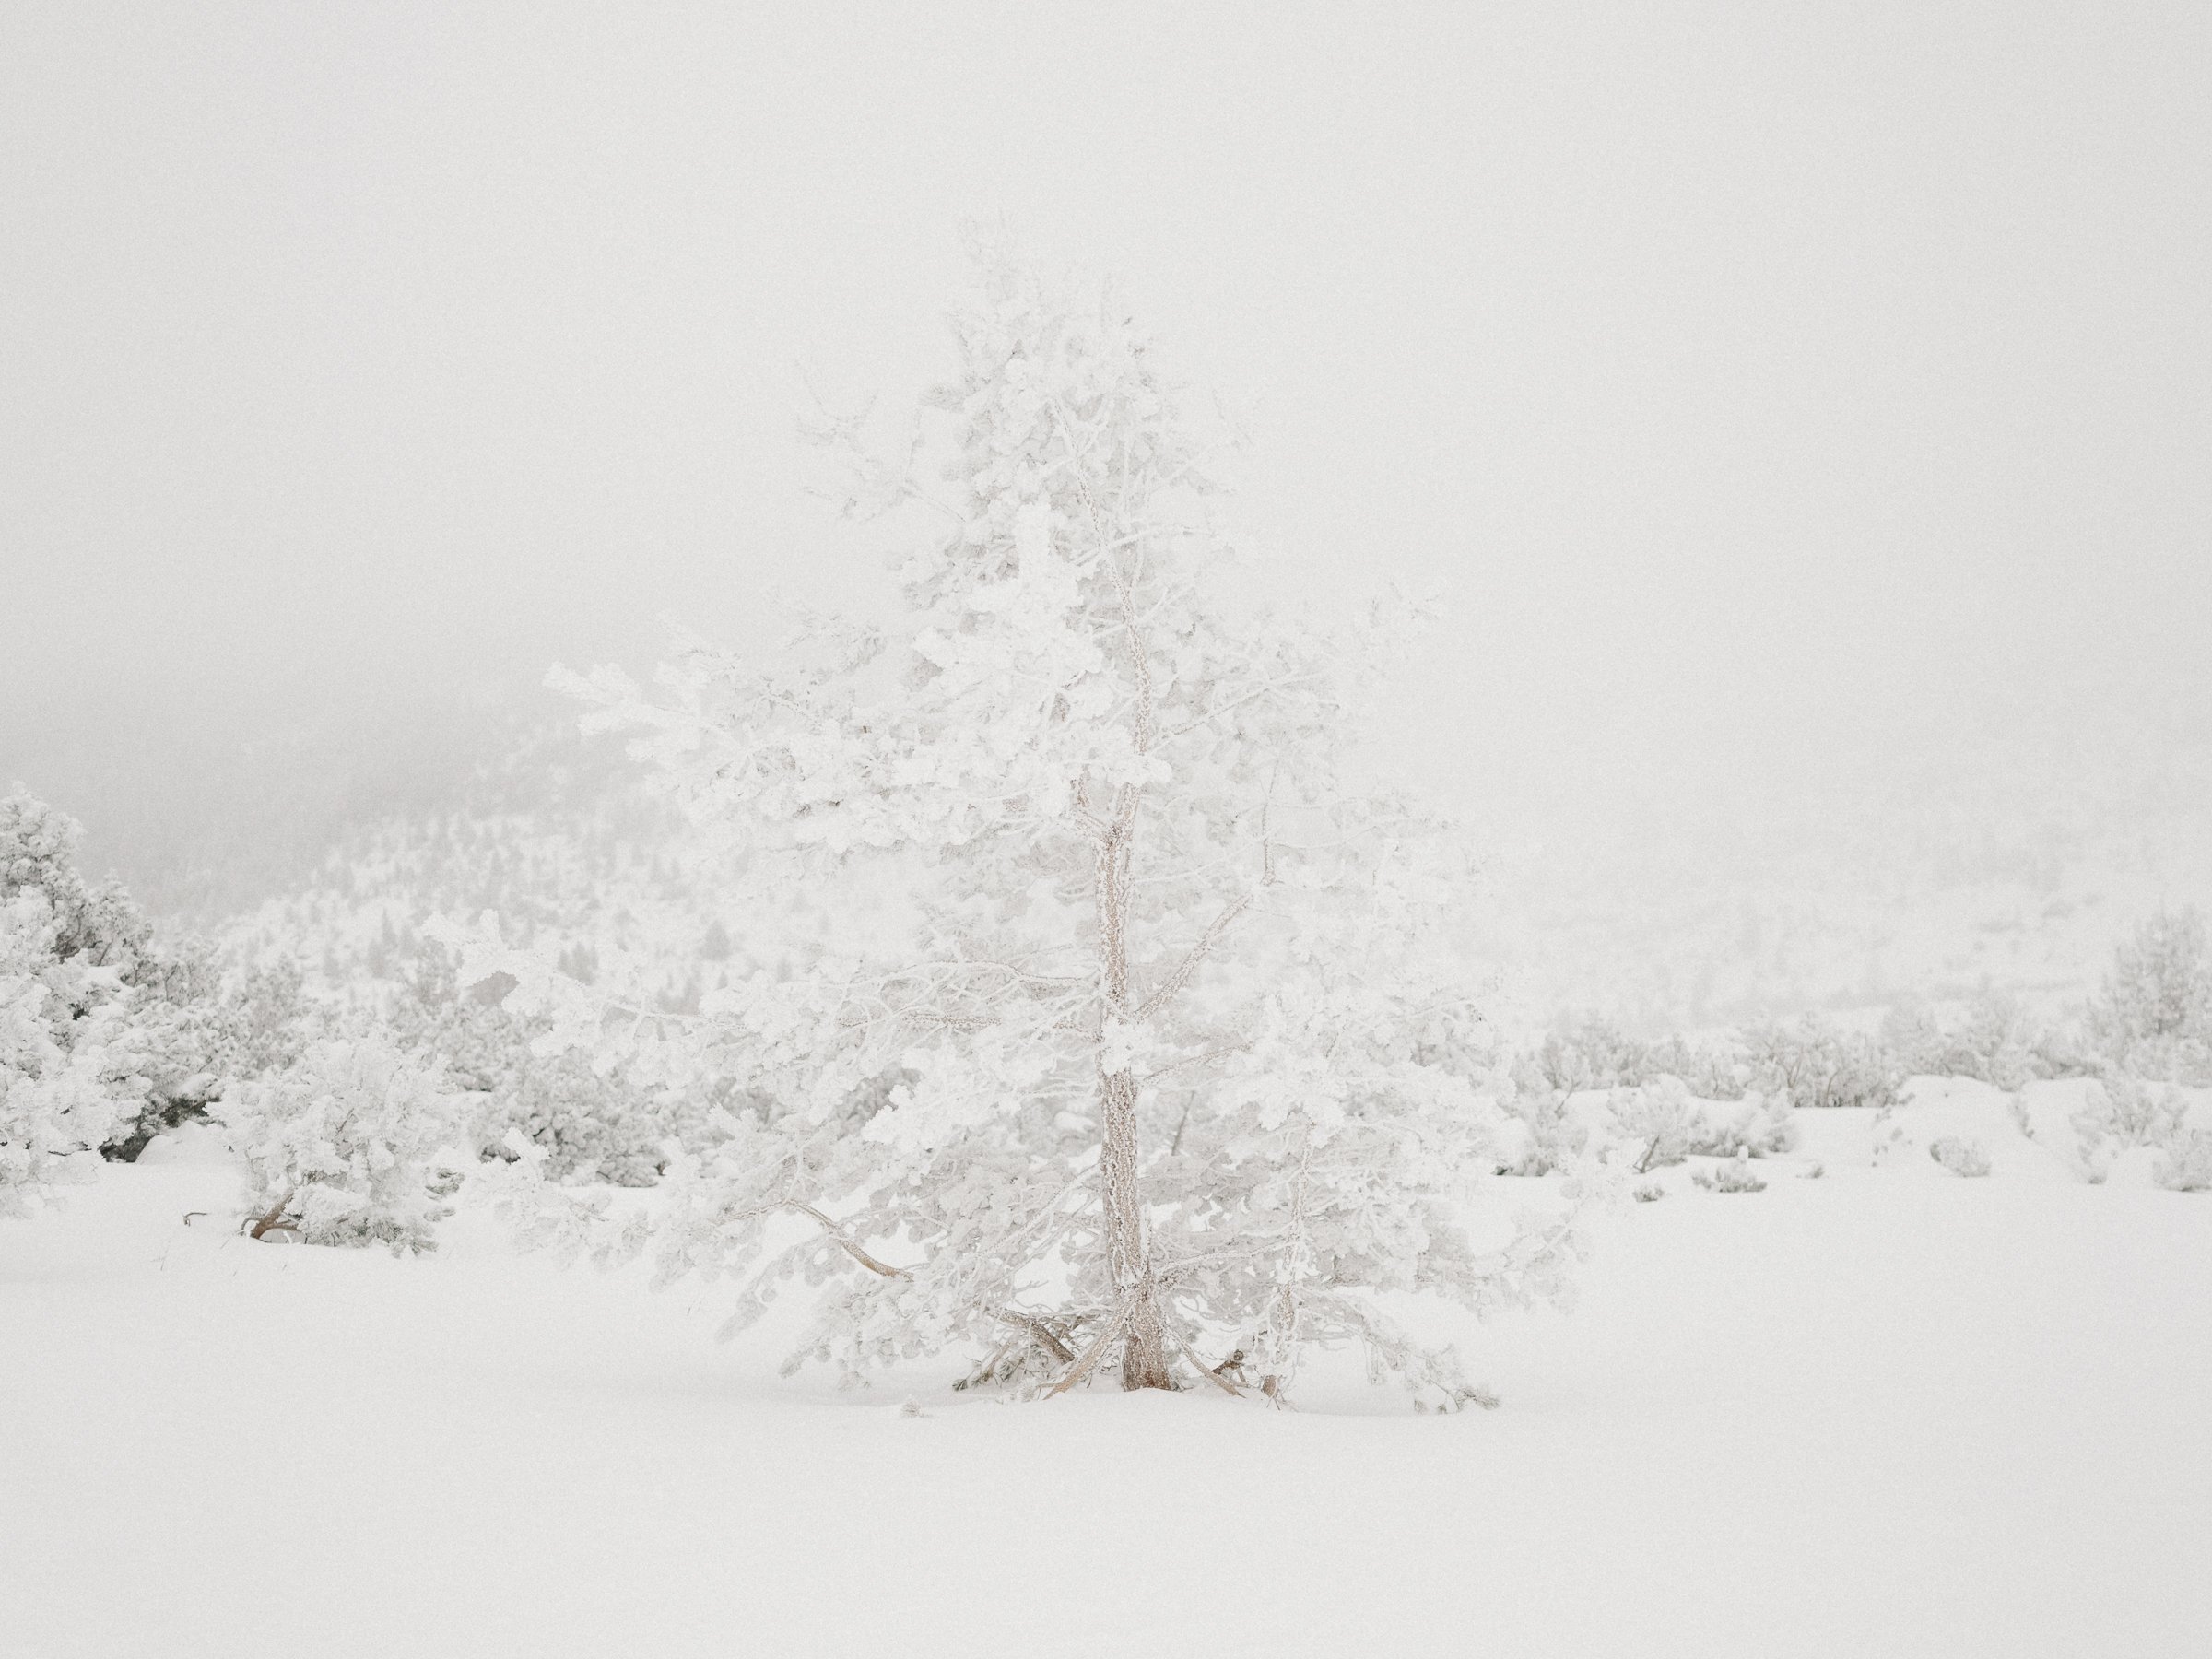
(1884, 1412)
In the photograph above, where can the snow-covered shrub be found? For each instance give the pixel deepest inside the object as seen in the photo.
(1916, 1040)
(1589, 1053)
(342, 1146)
(1667, 1124)
(1735, 1176)
(592, 1126)
(1992, 1038)
(1819, 1067)
(1553, 1136)
(1711, 1071)
(103, 1035)
(1662, 1120)
(1961, 1156)
(2120, 1111)
(2184, 1165)
(2153, 1018)
(59, 1093)
(270, 1019)
(1591, 1057)
(2062, 1050)
(1146, 1071)
(1758, 1126)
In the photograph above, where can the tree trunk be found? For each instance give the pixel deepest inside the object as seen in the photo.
(1143, 1353)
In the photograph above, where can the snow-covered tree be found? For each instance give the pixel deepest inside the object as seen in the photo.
(559, 836)
(2154, 1015)
(591, 1126)
(103, 1035)
(61, 1049)
(1992, 1038)
(1818, 1067)
(2120, 1111)
(342, 1146)
(1141, 1048)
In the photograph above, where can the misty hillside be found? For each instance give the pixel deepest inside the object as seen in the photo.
(2009, 860)
(2011, 864)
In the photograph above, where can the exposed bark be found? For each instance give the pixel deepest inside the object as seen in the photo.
(1091, 1356)
(1144, 1349)
(1041, 1332)
(838, 1237)
(273, 1221)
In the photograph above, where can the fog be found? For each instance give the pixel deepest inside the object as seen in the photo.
(1784, 397)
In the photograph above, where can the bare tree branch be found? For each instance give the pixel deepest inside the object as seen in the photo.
(1093, 1354)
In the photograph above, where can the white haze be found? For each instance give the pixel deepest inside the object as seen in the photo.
(1794, 402)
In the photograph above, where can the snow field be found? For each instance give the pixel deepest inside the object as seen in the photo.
(1883, 1411)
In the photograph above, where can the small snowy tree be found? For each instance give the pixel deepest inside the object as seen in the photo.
(2184, 1163)
(1822, 1067)
(1992, 1038)
(2154, 1015)
(1157, 1062)
(342, 1146)
(592, 1127)
(60, 1090)
(103, 1036)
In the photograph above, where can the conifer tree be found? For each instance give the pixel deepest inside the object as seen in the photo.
(1140, 1049)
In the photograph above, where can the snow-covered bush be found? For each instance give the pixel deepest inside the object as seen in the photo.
(1992, 1038)
(1960, 1156)
(2120, 1111)
(1735, 1176)
(343, 1146)
(1590, 1052)
(103, 1036)
(1819, 1067)
(2153, 1018)
(1711, 1071)
(59, 1090)
(1667, 1124)
(1153, 1065)
(1651, 1093)
(270, 1020)
(1553, 1137)
(592, 1126)
(2184, 1164)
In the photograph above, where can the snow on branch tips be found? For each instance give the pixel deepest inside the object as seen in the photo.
(1131, 1043)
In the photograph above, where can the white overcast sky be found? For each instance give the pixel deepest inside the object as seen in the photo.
(1754, 377)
